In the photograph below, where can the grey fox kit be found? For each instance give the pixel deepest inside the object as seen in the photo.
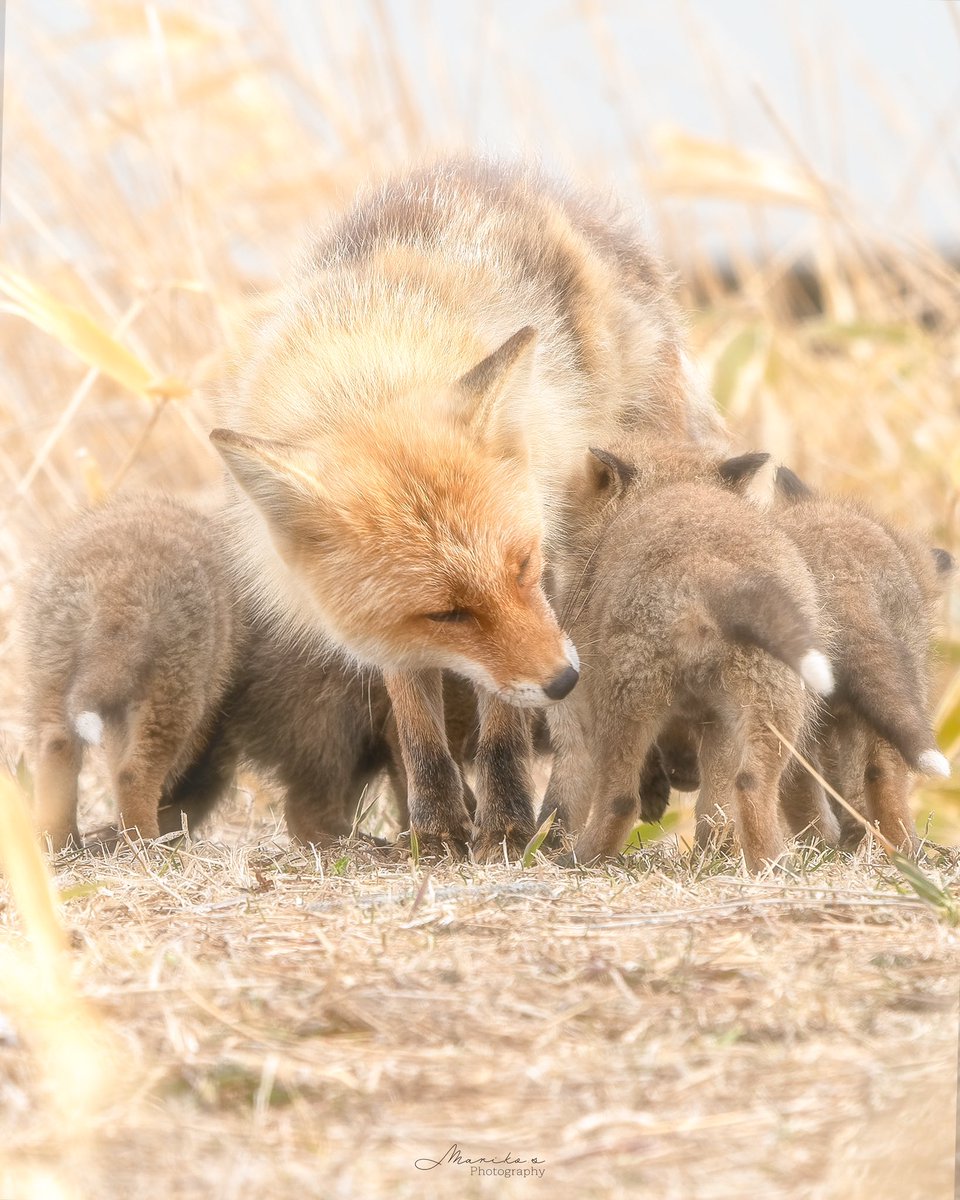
(690, 606)
(129, 633)
(136, 636)
(879, 588)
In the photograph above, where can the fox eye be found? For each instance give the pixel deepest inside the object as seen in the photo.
(452, 616)
(523, 570)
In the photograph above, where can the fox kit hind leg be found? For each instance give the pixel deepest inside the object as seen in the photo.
(144, 746)
(741, 771)
(886, 781)
(618, 743)
(57, 755)
(621, 761)
(805, 804)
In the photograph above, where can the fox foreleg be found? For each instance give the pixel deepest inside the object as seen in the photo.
(438, 814)
(504, 780)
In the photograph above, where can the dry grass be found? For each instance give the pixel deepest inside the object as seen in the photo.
(289, 1024)
(234, 1017)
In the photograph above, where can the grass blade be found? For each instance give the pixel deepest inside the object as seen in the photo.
(938, 898)
(77, 331)
(531, 848)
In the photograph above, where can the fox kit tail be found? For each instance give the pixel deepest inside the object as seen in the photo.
(99, 693)
(88, 725)
(114, 656)
(879, 683)
(760, 611)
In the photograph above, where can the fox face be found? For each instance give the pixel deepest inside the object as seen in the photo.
(420, 549)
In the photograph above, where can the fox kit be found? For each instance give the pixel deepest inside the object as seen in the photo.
(406, 431)
(134, 635)
(319, 730)
(879, 588)
(129, 635)
(691, 608)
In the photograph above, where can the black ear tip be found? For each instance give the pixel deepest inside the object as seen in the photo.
(946, 563)
(743, 467)
(617, 469)
(789, 484)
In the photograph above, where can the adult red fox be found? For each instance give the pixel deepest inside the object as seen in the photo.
(405, 434)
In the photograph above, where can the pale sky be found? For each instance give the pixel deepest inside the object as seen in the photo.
(870, 89)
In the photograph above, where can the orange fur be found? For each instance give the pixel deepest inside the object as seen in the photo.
(399, 534)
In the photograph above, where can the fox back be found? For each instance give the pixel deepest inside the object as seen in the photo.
(696, 572)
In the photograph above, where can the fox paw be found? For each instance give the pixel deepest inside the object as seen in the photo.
(654, 789)
(558, 838)
(488, 844)
(445, 843)
(683, 768)
(102, 840)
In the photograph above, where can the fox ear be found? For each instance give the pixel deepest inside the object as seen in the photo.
(944, 561)
(737, 472)
(275, 476)
(610, 474)
(484, 388)
(790, 486)
(745, 476)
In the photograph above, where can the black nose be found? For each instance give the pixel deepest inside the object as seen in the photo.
(563, 684)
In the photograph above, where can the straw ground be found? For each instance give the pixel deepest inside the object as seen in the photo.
(285, 1024)
(234, 1015)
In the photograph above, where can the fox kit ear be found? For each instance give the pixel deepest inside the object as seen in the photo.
(944, 561)
(746, 476)
(275, 477)
(737, 472)
(790, 486)
(484, 388)
(610, 474)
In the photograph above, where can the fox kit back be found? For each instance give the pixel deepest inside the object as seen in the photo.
(408, 427)
(695, 609)
(879, 589)
(127, 632)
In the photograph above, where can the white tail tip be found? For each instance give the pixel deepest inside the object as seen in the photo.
(932, 762)
(89, 726)
(816, 672)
